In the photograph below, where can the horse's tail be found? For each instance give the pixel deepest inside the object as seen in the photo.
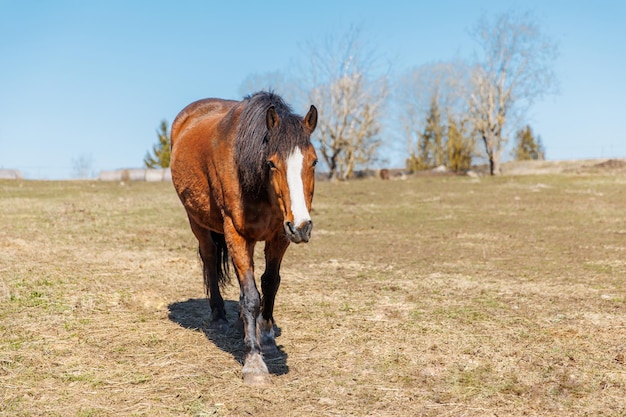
(222, 263)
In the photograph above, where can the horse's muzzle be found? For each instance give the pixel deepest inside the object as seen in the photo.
(299, 234)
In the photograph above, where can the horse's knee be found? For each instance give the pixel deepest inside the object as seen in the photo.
(250, 300)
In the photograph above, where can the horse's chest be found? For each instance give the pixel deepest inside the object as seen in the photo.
(262, 221)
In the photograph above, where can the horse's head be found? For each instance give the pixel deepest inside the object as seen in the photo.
(292, 171)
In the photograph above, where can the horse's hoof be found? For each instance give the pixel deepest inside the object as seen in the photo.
(255, 371)
(257, 380)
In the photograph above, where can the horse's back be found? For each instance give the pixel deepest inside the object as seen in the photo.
(198, 111)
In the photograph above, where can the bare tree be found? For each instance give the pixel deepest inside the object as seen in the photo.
(350, 98)
(513, 71)
(82, 167)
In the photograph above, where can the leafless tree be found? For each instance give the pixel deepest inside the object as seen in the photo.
(82, 167)
(513, 71)
(350, 97)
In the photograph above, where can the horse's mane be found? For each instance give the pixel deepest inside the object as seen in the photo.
(254, 143)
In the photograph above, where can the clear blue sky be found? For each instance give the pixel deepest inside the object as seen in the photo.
(95, 78)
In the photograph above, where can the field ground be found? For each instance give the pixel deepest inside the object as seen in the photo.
(433, 296)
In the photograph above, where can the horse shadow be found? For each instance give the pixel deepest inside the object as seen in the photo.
(194, 314)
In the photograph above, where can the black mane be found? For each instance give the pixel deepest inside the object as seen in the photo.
(254, 143)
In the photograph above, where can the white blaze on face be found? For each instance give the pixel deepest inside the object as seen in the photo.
(296, 187)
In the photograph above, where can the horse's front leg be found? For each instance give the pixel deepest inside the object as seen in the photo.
(270, 281)
(254, 370)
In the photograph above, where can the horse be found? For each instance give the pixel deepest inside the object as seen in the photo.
(245, 173)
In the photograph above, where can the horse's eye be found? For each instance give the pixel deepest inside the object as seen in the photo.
(314, 163)
(271, 165)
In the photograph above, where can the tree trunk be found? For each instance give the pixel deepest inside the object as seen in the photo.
(492, 153)
(332, 165)
(332, 173)
(349, 170)
(494, 165)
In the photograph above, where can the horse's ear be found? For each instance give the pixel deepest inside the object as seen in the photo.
(271, 118)
(310, 120)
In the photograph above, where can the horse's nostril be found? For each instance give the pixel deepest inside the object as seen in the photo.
(291, 228)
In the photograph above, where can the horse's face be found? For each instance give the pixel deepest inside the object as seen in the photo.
(292, 180)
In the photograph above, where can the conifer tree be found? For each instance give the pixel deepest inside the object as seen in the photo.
(459, 146)
(433, 135)
(160, 157)
(430, 144)
(526, 146)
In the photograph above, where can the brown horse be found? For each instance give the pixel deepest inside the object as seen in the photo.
(245, 173)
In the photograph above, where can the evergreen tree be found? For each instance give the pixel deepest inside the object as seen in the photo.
(414, 163)
(161, 151)
(526, 146)
(433, 134)
(430, 144)
(459, 146)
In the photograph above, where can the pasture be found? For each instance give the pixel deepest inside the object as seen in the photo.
(432, 296)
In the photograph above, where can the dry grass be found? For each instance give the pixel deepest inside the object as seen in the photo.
(431, 297)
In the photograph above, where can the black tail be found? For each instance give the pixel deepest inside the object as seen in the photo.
(223, 260)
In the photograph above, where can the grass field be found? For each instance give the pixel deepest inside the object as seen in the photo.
(433, 296)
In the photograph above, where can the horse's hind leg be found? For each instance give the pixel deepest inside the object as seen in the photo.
(270, 281)
(210, 268)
